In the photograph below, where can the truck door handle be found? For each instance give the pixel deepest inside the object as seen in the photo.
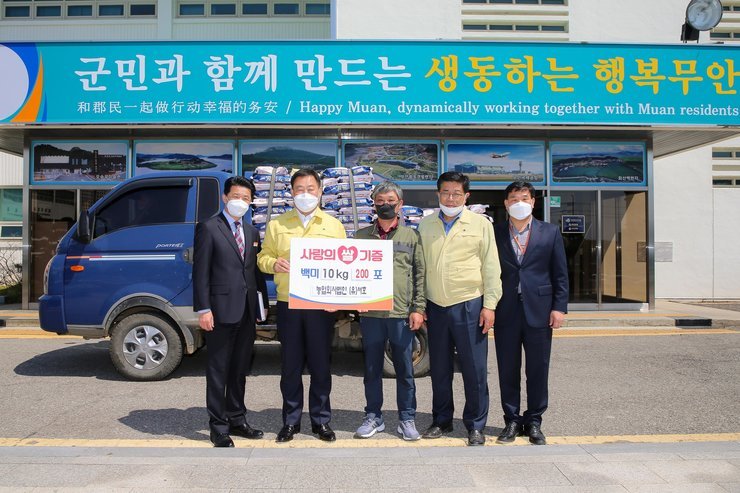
(187, 255)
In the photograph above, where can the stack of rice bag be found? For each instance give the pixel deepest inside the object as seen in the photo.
(272, 197)
(346, 196)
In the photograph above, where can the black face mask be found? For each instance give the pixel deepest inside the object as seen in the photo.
(386, 211)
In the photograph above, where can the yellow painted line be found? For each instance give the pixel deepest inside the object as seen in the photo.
(370, 443)
(602, 315)
(32, 333)
(573, 333)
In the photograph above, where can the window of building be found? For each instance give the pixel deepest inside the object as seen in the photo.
(254, 9)
(720, 35)
(501, 27)
(723, 154)
(142, 9)
(474, 27)
(223, 9)
(17, 11)
(187, 9)
(11, 231)
(726, 153)
(554, 28)
(79, 11)
(286, 9)
(11, 204)
(318, 9)
(527, 27)
(722, 182)
(110, 10)
(48, 11)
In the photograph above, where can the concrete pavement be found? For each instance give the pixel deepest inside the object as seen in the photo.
(664, 454)
(615, 467)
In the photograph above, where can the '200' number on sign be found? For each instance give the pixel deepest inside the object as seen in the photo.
(362, 274)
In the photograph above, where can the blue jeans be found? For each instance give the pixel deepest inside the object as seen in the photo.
(375, 333)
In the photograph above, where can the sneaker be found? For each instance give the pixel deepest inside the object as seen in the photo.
(407, 429)
(370, 426)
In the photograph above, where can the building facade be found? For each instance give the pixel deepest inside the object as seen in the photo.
(672, 236)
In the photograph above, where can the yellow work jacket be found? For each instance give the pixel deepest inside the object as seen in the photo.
(463, 264)
(277, 242)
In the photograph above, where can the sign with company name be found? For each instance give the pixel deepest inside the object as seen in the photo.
(341, 274)
(574, 224)
(383, 82)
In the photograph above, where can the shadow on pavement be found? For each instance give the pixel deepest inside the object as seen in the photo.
(192, 423)
(86, 359)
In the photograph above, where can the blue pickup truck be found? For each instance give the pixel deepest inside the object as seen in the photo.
(124, 271)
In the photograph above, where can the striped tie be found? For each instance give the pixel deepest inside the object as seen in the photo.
(238, 237)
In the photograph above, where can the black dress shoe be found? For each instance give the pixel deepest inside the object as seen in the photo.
(221, 440)
(476, 437)
(437, 430)
(510, 432)
(286, 433)
(324, 432)
(246, 431)
(536, 437)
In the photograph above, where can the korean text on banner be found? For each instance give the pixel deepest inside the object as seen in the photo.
(341, 274)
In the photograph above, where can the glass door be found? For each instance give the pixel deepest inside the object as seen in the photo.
(576, 214)
(624, 236)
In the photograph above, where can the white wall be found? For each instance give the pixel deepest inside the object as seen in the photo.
(628, 21)
(684, 217)
(396, 19)
(11, 170)
(727, 243)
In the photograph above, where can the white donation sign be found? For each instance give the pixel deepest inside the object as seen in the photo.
(341, 274)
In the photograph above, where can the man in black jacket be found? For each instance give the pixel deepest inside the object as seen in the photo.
(534, 277)
(225, 286)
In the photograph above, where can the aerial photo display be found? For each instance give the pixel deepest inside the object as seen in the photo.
(317, 155)
(613, 163)
(158, 156)
(79, 162)
(397, 161)
(498, 161)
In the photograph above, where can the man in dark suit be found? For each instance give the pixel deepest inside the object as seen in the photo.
(534, 275)
(225, 286)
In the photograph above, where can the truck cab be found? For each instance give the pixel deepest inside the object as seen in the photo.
(124, 271)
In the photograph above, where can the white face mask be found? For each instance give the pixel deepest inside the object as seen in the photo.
(306, 202)
(520, 210)
(237, 207)
(451, 211)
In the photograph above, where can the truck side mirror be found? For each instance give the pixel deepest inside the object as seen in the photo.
(83, 228)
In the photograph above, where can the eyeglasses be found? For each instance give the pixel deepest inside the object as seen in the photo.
(452, 195)
(380, 202)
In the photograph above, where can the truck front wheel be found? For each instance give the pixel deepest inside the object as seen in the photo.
(145, 347)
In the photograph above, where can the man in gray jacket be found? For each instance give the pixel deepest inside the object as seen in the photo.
(396, 327)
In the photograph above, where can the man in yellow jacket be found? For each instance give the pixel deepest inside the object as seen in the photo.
(305, 335)
(463, 286)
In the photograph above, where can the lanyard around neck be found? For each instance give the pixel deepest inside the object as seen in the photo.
(515, 236)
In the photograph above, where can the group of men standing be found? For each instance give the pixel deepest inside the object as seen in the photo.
(457, 272)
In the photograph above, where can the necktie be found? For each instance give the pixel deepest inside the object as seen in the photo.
(238, 237)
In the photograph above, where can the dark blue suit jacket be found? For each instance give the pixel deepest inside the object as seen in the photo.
(222, 281)
(543, 274)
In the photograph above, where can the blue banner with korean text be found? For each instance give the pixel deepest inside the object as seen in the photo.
(371, 82)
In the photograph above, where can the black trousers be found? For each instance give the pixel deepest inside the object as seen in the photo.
(305, 340)
(537, 344)
(229, 353)
(450, 329)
